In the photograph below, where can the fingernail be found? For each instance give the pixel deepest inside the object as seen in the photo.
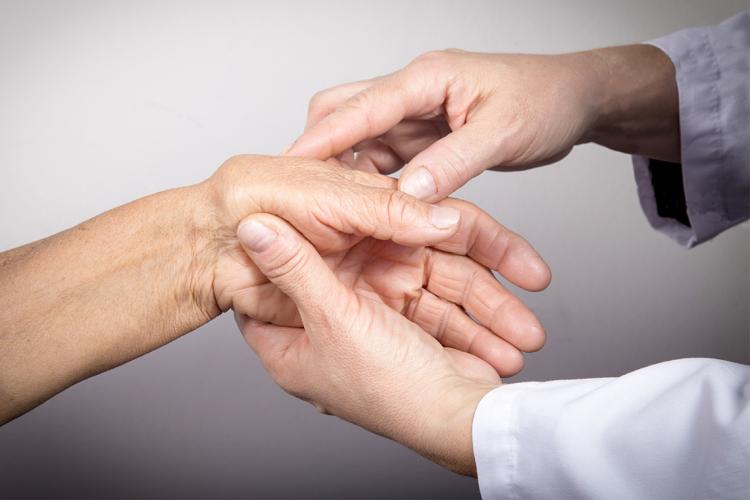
(420, 184)
(256, 236)
(444, 217)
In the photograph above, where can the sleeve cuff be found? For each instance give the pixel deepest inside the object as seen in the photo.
(495, 441)
(513, 431)
(673, 430)
(674, 223)
(712, 72)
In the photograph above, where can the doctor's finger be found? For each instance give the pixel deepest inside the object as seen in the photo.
(452, 327)
(496, 247)
(325, 101)
(462, 281)
(369, 114)
(375, 156)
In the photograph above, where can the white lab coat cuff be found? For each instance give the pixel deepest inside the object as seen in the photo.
(678, 429)
(495, 440)
(514, 431)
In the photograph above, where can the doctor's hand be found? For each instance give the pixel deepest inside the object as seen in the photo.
(359, 359)
(450, 115)
(447, 288)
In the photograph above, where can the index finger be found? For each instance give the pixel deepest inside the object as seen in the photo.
(368, 114)
(326, 101)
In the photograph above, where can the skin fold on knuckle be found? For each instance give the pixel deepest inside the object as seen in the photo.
(289, 260)
(453, 169)
(317, 108)
(401, 212)
(430, 60)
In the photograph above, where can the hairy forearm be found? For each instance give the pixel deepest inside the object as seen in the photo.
(638, 106)
(102, 293)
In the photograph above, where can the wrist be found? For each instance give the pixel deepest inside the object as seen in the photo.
(593, 71)
(223, 201)
(448, 426)
(209, 231)
(639, 111)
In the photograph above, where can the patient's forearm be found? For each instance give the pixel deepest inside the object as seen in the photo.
(101, 293)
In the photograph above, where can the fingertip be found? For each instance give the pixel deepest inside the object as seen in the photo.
(535, 336)
(255, 236)
(518, 325)
(418, 182)
(539, 272)
(536, 275)
(509, 363)
(504, 357)
(310, 145)
(260, 222)
(524, 266)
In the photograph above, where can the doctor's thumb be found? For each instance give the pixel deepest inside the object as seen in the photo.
(448, 164)
(290, 262)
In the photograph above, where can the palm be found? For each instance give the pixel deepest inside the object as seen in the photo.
(380, 270)
(449, 296)
(410, 343)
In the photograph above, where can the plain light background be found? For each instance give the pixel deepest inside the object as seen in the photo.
(104, 102)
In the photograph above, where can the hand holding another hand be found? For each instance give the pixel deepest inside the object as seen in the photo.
(359, 359)
(438, 287)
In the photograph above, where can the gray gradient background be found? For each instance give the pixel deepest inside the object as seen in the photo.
(103, 102)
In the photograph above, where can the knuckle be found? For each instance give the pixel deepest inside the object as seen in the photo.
(235, 162)
(399, 209)
(444, 323)
(360, 104)
(413, 303)
(470, 286)
(499, 243)
(470, 341)
(317, 101)
(430, 57)
(499, 314)
(358, 101)
(290, 263)
(455, 167)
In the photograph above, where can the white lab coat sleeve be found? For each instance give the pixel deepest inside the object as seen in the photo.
(713, 82)
(679, 429)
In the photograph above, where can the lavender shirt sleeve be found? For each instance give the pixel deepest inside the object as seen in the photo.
(712, 185)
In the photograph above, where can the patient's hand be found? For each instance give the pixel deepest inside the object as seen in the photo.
(436, 287)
